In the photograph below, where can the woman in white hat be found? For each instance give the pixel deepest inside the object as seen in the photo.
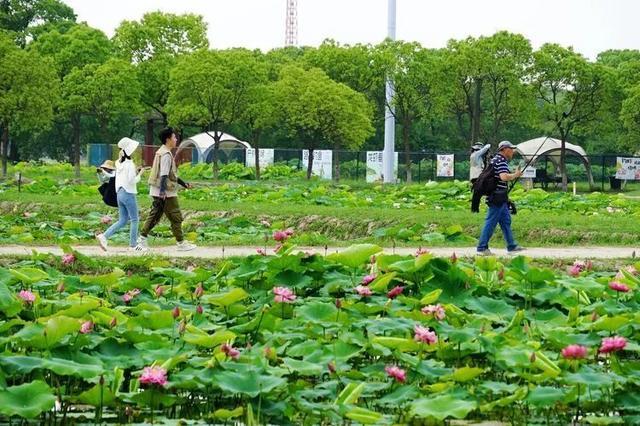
(127, 179)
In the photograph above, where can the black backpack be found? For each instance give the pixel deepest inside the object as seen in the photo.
(108, 192)
(486, 184)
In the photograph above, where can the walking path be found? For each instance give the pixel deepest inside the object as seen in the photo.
(210, 252)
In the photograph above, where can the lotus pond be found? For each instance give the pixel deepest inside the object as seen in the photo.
(359, 337)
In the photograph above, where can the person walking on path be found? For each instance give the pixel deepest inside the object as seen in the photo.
(126, 181)
(477, 160)
(163, 188)
(498, 202)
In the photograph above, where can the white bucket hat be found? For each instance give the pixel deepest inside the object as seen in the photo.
(128, 145)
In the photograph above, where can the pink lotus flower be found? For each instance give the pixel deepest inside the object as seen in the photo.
(280, 236)
(68, 259)
(199, 309)
(395, 292)
(424, 335)
(574, 352)
(128, 296)
(106, 219)
(396, 372)
(367, 279)
(230, 351)
(617, 286)
(436, 310)
(199, 291)
(575, 270)
(421, 251)
(153, 376)
(338, 303)
(288, 232)
(159, 290)
(283, 295)
(86, 327)
(612, 344)
(364, 291)
(175, 313)
(27, 296)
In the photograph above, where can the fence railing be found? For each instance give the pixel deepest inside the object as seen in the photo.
(353, 164)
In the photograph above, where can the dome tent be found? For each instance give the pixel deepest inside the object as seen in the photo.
(203, 144)
(547, 147)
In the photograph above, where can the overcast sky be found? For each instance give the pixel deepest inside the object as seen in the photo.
(590, 26)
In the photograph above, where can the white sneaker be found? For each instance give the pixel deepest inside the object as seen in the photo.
(142, 242)
(139, 249)
(185, 246)
(102, 240)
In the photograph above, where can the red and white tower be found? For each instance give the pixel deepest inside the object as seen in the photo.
(291, 31)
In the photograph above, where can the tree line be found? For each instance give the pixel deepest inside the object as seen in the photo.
(64, 84)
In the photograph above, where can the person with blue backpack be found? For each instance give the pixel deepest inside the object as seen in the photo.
(498, 200)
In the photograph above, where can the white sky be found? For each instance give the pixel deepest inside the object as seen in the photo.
(590, 26)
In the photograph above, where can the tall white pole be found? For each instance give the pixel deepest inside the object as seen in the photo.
(388, 156)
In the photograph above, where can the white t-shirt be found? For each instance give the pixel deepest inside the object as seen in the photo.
(126, 176)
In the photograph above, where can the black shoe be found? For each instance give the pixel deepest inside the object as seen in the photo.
(516, 249)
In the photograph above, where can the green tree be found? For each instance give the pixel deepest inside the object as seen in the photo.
(76, 47)
(572, 92)
(211, 89)
(419, 93)
(105, 92)
(153, 45)
(21, 16)
(318, 111)
(352, 66)
(507, 60)
(27, 94)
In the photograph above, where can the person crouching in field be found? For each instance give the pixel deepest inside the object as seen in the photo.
(163, 188)
(126, 182)
(106, 171)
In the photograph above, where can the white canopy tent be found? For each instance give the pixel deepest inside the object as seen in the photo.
(549, 148)
(203, 143)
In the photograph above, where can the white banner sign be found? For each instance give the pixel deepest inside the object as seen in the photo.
(444, 165)
(529, 172)
(265, 157)
(628, 168)
(322, 162)
(374, 166)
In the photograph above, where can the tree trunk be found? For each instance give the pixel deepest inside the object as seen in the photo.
(256, 152)
(75, 125)
(5, 149)
(406, 125)
(336, 157)
(310, 164)
(475, 129)
(563, 165)
(148, 133)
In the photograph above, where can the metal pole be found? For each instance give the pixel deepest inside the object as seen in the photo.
(389, 120)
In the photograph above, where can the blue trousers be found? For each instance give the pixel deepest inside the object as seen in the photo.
(497, 215)
(128, 207)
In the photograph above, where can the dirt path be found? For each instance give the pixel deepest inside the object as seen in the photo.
(210, 252)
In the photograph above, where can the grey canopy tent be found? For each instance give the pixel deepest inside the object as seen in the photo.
(546, 147)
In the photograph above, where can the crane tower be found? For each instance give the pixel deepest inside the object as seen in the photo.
(291, 30)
